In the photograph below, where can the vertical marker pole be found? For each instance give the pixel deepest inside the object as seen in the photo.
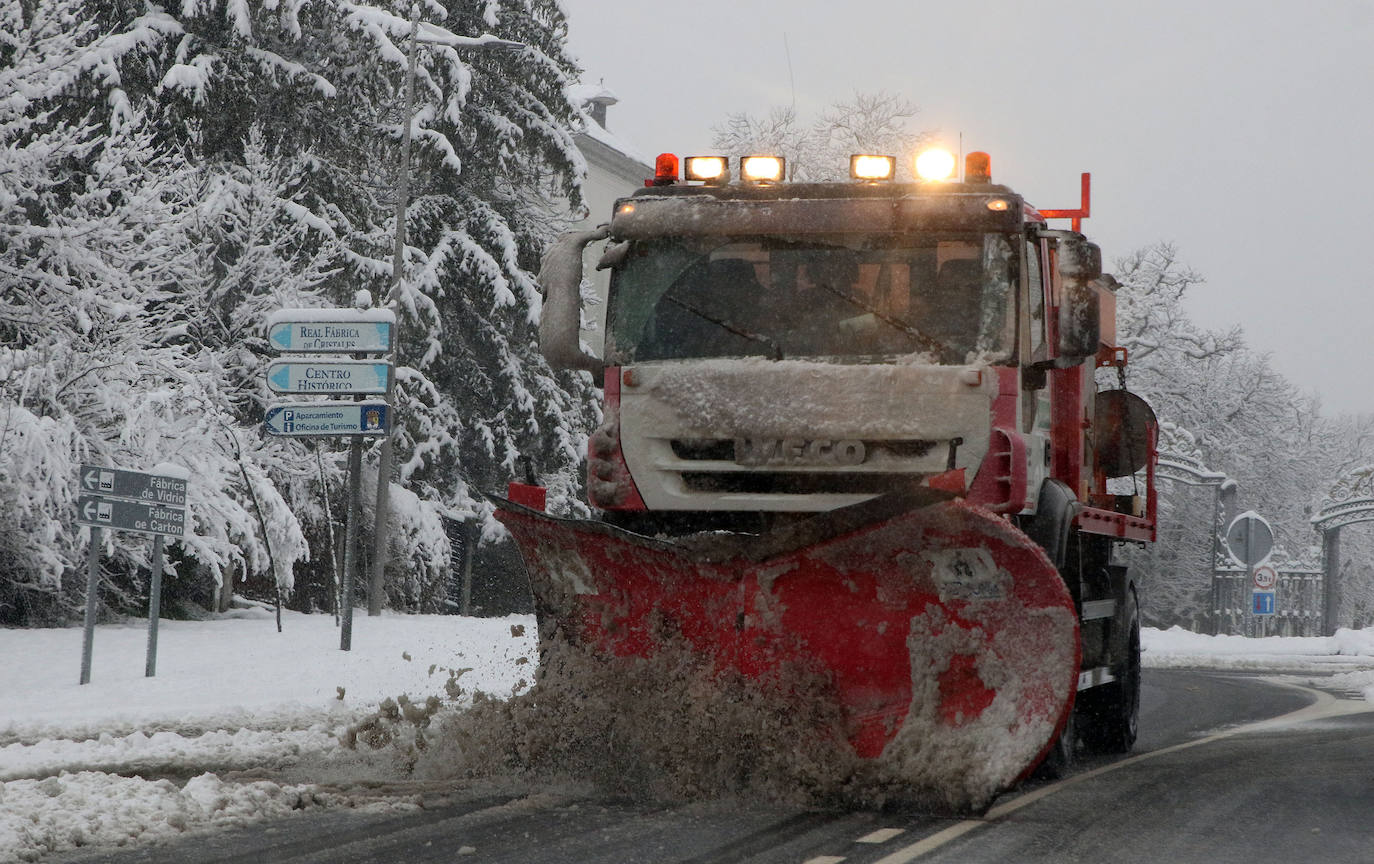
(355, 470)
(469, 543)
(154, 607)
(92, 583)
(1249, 591)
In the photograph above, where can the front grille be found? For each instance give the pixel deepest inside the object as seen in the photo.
(703, 450)
(723, 450)
(780, 483)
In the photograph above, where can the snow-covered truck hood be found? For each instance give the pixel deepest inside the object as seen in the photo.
(709, 422)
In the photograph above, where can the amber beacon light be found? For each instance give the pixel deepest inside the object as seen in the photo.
(665, 170)
(977, 167)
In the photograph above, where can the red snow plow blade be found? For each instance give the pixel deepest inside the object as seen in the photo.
(944, 636)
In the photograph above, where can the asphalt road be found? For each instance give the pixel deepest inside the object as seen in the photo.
(1205, 784)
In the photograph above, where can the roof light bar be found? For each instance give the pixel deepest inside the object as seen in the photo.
(865, 166)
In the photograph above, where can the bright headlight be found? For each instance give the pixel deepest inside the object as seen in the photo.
(935, 165)
(863, 166)
(706, 168)
(761, 169)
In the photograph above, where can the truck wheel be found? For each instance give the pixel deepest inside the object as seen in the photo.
(1059, 761)
(1112, 712)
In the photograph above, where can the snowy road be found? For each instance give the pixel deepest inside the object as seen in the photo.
(1268, 790)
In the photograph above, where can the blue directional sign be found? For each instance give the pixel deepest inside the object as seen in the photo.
(1264, 602)
(331, 337)
(337, 377)
(328, 419)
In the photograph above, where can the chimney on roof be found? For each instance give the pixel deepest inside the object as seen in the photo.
(597, 105)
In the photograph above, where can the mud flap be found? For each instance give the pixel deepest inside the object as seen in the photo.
(942, 634)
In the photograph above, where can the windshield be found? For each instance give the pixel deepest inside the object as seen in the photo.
(681, 297)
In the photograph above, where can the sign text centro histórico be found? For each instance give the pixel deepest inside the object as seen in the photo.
(338, 377)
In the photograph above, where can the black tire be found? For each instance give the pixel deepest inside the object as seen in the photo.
(1110, 716)
(1059, 761)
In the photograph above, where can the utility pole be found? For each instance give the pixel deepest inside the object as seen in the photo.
(377, 583)
(434, 36)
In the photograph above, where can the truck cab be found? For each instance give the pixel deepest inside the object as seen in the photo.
(775, 348)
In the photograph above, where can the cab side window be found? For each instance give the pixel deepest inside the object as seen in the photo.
(1037, 303)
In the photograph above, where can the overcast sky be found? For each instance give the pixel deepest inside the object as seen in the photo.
(1241, 132)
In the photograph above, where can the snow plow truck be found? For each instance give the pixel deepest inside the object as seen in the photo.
(866, 443)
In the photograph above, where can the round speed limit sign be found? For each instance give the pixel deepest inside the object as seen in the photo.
(1266, 578)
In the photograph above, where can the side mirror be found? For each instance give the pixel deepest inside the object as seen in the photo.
(1123, 422)
(560, 275)
(1080, 316)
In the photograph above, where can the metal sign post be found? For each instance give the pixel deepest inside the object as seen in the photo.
(1250, 540)
(154, 608)
(355, 470)
(92, 584)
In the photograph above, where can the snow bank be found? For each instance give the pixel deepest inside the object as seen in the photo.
(238, 672)
(1349, 651)
(128, 758)
(1349, 654)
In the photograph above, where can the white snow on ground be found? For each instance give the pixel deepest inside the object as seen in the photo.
(129, 759)
(1349, 654)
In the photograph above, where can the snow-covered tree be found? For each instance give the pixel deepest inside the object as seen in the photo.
(98, 232)
(1242, 416)
(168, 177)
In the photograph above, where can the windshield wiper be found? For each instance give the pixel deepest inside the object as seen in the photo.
(775, 349)
(929, 342)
